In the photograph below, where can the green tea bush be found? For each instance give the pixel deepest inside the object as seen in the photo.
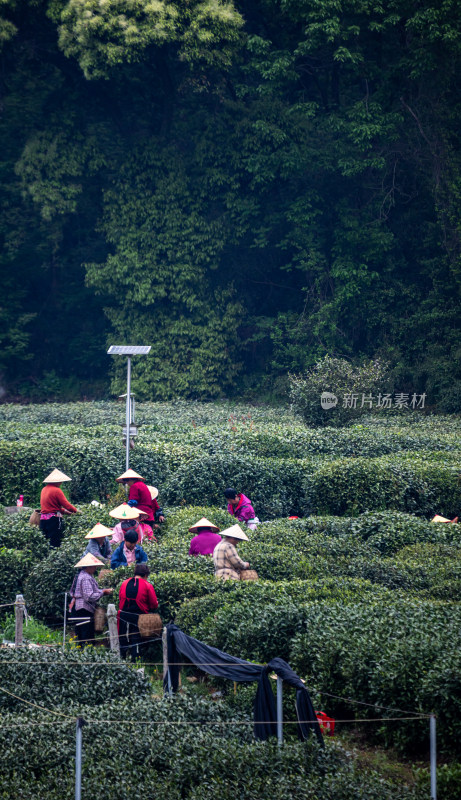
(352, 486)
(434, 570)
(57, 679)
(21, 548)
(273, 485)
(182, 762)
(50, 579)
(398, 654)
(196, 616)
(92, 464)
(340, 377)
(389, 531)
(448, 780)
(177, 525)
(15, 566)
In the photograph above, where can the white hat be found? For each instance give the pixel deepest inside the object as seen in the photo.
(130, 473)
(438, 518)
(56, 477)
(126, 512)
(98, 532)
(204, 523)
(235, 532)
(153, 492)
(89, 561)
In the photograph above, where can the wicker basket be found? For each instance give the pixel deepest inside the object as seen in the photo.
(100, 618)
(34, 518)
(150, 625)
(248, 575)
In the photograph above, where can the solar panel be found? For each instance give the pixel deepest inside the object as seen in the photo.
(128, 350)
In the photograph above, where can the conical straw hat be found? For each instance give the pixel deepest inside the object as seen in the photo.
(204, 523)
(98, 531)
(126, 512)
(236, 532)
(89, 561)
(153, 492)
(56, 477)
(130, 473)
(438, 518)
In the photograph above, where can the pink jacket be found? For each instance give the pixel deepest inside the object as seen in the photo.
(204, 543)
(243, 511)
(144, 532)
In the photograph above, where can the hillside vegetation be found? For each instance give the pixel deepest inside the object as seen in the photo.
(361, 595)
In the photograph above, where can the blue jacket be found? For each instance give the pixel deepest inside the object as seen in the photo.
(118, 556)
(93, 548)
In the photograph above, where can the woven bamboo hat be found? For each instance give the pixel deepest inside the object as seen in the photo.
(98, 532)
(236, 532)
(56, 477)
(438, 518)
(126, 512)
(204, 523)
(153, 492)
(89, 561)
(130, 473)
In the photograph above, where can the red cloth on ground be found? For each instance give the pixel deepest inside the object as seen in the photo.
(53, 499)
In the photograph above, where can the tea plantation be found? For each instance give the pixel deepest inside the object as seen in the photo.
(361, 594)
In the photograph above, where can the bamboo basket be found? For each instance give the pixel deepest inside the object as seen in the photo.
(248, 575)
(100, 618)
(150, 625)
(34, 518)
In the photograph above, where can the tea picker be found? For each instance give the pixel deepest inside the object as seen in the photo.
(239, 506)
(86, 593)
(99, 544)
(130, 518)
(128, 552)
(137, 599)
(227, 562)
(53, 504)
(206, 538)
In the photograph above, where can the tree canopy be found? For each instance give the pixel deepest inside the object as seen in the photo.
(246, 186)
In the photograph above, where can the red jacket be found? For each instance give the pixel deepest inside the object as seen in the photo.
(146, 599)
(53, 499)
(140, 492)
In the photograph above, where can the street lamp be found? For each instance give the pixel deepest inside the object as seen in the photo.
(128, 350)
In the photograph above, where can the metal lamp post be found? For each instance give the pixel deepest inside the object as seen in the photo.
(128, 350)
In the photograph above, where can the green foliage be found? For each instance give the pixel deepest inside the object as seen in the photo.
(21, 547)
(340, 378)
(249, 189)
(412, 483)
(448, 780)
(34, 632)
(363, 605)
(50, 579)
(101, 36)
(43, 670)
(400, 655)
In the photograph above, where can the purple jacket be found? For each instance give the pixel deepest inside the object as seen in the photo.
(204, 543)
(243, 511)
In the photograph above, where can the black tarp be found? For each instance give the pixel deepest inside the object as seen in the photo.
(223, 665)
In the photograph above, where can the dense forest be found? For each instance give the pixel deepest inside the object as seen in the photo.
(247, 186)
